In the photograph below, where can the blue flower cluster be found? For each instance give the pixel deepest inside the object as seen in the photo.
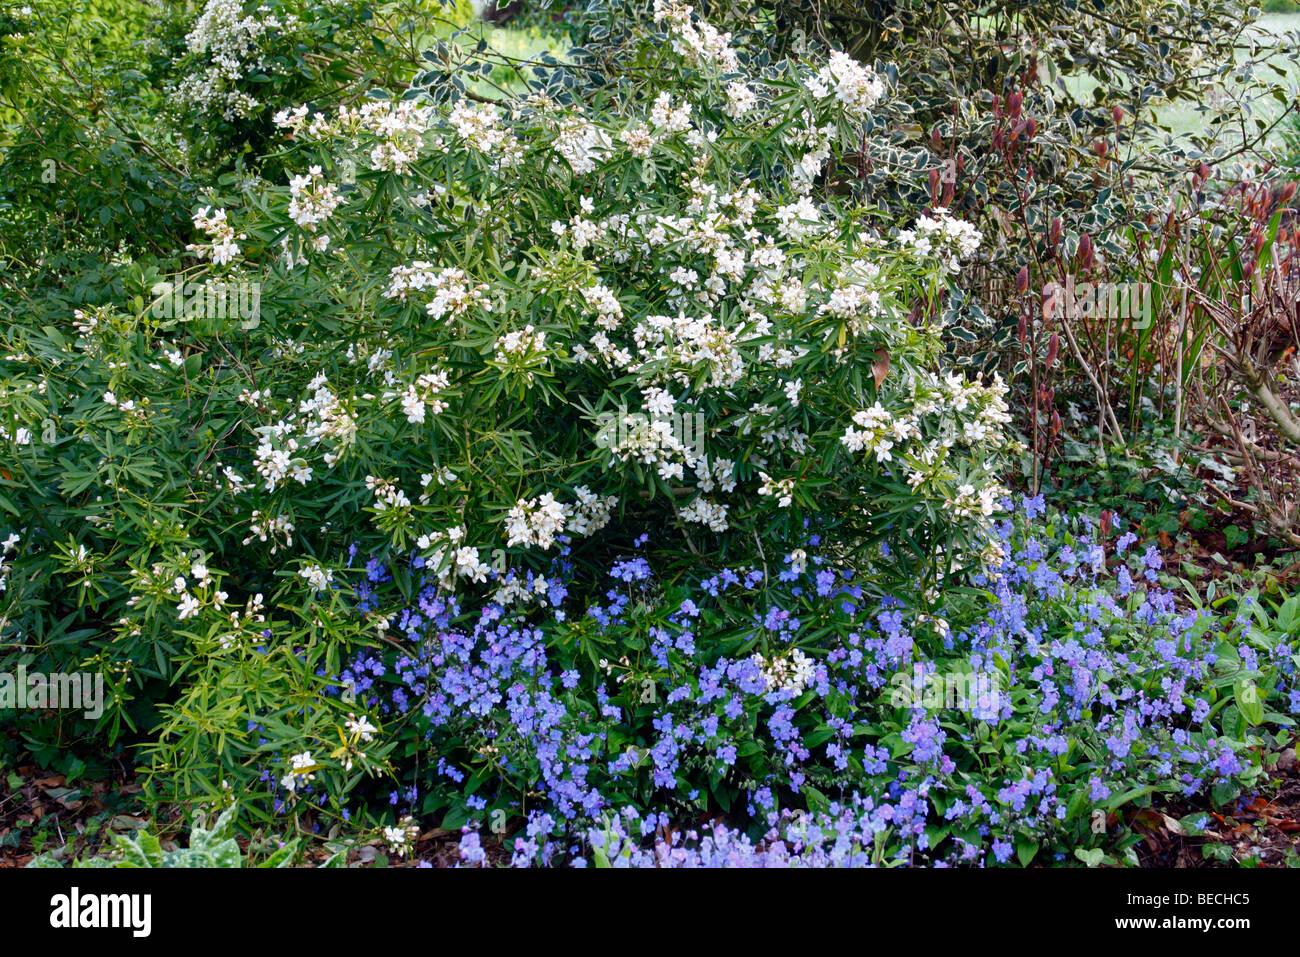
(787, 717)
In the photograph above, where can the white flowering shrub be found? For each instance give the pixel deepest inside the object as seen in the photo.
(489, 334)
(240, 59)
(578, 290)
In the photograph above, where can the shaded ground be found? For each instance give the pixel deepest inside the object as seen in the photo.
(39, 812)
(1261, 829)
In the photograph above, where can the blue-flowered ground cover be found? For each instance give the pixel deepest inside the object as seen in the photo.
(790, 715)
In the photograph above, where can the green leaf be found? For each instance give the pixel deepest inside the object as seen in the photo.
(1093, 856)
(1249, 700)
(1026, 850)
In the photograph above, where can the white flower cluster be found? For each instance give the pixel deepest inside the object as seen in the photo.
(402, 837)
(989, 404)
(515, 589)
(388, 494)
(401, 129)
(654, 440)
(276, 529)
(523, 342)
(317, 577)
(601, 300)
(789, 672)
(780, 489)
(452, 559)
(221, 248)
(970, 501)
(955, 411)
(699, 43)
(853, 84)
(479, 125)
(535, 521)
(443, 476)
(361, 728)
(188, 603)
(234, 482)
(877, 431)
(581, 230)
(21, 435)
(798, 220)
(582, 144)
(228, 42)
(402, 280)
(704, 512)
(942, 238)
(668, 118)
(856, 295)
(424, 394)
(324, 417)
(454, 292)
(275, 459)
(591, 512)
(741, 99)
(401, 133)
(301, 766)
(815, 141)
(678, 346)
(312, 201)
(304, 124)
(252, 616)
(638, 139)
(539, 521)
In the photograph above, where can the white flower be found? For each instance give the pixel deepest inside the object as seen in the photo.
(361, 727)
(740, 99)
(301, 762)
(188, 608)
(317, 577)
